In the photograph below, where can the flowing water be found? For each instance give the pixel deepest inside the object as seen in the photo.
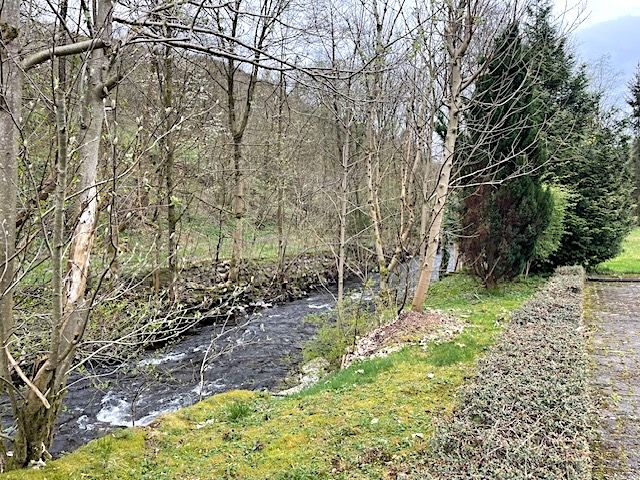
(258, 353)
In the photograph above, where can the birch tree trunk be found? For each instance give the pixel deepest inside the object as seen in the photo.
(407, 200)
(427, 187)
(372, 190)
(344, 199)
(437, 211)
(456, 52)
(374, 120)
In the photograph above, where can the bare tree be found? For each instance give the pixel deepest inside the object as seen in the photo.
(464, 41)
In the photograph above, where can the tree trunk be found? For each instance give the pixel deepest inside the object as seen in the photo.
(427, 200)
(282, 241)
(112, 239)
(424, 223)
(237, 127)
(442, 188)
(344, 198)
(407, 201)
(168, 147)
(57, 254)
(158, 234)
(458, 34)
(10, 99)
(377, 232)
(374, 117)
(43, 397)
(238, 211)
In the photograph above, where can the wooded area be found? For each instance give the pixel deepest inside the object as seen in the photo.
(144, 143)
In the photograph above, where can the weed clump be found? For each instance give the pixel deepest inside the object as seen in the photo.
(237, 410)
(335, 337)
(527, 414)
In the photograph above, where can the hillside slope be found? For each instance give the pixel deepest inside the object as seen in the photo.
(617, 42)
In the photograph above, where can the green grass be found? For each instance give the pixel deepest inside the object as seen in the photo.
(628, 262)
(364, 422)
(198, 243)
(237, 410)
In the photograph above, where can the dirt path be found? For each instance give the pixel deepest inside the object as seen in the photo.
(614, 313)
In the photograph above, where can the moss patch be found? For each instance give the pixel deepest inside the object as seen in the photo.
(368, 421)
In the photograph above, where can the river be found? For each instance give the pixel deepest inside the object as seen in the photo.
(257, 353)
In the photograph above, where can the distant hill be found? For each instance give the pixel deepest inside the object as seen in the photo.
(618, 43)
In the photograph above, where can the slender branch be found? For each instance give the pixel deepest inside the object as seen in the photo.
(26, 380)
(62, 51)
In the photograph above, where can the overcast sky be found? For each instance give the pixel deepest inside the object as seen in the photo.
(599, 10)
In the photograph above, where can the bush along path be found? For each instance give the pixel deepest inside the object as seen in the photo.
(526, 415)
(613, 312)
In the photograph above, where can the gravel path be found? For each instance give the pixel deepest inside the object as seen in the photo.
(614, 315)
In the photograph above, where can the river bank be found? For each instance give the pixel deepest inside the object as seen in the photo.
(214, 337)
(366, 421)
(250, 337)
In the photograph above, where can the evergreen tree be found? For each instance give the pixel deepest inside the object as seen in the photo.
(504, 217)
(588, 153)
(634, 103)
(549, 241)
(599, 217)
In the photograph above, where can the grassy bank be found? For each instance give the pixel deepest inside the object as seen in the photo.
(201, 242)
(369, 421)
(628, 262)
